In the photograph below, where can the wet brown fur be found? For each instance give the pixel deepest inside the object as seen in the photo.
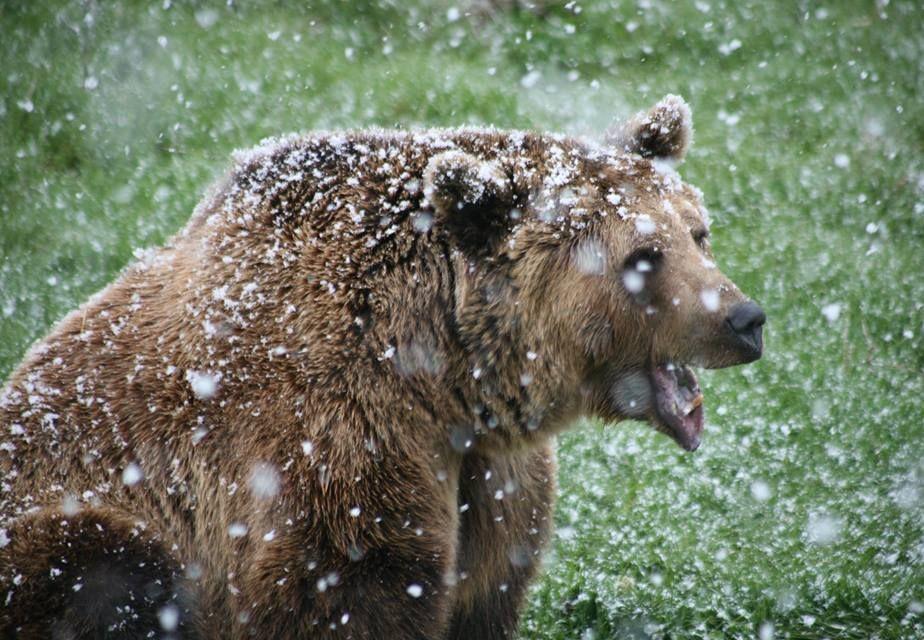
(398, 357)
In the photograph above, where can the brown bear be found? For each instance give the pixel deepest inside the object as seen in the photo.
(326, 408)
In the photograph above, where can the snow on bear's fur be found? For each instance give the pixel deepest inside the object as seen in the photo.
(325, 408)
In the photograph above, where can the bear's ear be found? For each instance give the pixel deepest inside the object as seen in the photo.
(471, 199)
(663, 133)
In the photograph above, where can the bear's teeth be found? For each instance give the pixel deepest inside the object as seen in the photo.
(688, 401)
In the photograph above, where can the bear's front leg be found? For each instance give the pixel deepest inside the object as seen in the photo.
(505, 518)
(390, 586)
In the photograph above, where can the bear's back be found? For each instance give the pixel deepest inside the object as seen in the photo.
(305, 265)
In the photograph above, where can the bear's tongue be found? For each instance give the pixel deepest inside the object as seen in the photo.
(679, 403)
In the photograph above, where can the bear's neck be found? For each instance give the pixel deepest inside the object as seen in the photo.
(520, 388)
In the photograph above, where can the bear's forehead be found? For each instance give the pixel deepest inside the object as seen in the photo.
(639, 187)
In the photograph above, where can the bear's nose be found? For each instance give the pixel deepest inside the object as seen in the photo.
(746, 320)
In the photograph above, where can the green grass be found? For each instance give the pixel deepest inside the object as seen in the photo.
(809, 148)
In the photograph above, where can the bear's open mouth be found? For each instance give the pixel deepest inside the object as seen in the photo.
(678, 403)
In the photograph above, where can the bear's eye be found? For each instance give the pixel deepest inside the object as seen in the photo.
(700, 236)
(644, 260)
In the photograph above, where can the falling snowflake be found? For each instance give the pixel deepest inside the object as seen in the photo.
(264, 481)
(204, 385)
(132, 474)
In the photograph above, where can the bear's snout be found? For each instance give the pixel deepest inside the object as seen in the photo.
(745, 321)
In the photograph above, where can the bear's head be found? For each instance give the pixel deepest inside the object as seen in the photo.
(588, 270)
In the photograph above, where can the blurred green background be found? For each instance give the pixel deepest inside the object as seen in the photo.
(802, 515)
